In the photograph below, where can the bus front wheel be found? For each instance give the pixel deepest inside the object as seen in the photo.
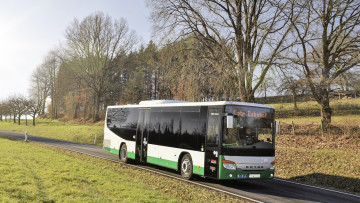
(123, 154)
(186, 167)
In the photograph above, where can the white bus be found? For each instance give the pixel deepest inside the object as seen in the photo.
(222, 140)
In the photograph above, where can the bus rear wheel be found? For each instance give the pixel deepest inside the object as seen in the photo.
(123, 154)
(186, 167)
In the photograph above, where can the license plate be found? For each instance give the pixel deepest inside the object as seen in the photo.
(242, 176)
(254, 175)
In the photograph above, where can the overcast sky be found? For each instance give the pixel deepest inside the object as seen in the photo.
(29, 29)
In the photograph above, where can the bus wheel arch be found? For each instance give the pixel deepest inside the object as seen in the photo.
(123, 153)
(185, 165)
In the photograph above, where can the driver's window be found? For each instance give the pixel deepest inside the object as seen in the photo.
(232, 136)
(239, 134)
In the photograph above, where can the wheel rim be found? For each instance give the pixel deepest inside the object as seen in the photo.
(185, 166)
(123, 153)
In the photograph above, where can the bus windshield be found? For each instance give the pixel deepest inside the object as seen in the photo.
(252, 129)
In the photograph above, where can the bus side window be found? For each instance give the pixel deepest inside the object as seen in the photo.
(190, 129)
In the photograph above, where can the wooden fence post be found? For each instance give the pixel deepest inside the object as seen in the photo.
(279, 128)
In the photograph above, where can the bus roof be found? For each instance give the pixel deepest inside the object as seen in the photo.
(173, 103)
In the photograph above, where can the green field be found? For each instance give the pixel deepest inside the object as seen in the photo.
(353, 120)
(33, 174)
(37, 173)
(59, 130)
(334, 104)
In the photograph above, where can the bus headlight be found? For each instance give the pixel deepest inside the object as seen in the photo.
(229, 165)
(272, 167)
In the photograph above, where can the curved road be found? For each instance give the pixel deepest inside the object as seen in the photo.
(275, 190)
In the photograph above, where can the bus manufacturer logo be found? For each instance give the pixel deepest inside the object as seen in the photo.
(254, 167)
(213, 161)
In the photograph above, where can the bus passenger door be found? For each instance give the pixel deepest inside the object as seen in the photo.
(142, 135)
(212, 143)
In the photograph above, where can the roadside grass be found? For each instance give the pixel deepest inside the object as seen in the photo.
(37, 173)
(331, 161)
(58, 130)
(328, 167)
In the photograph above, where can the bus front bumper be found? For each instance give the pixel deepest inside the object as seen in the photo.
(241, 174)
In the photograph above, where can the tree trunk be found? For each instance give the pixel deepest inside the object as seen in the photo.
(252, 98)
(97, 108)
(265, 92)
(242, 89)
(85, 110)
(43, 107)
(14, 118)
(33, 120)
(326, 110)
(76, 110)
(26, 119)
(19, 119)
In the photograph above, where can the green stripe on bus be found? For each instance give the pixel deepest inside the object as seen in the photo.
(162, 162)
(111, 150)
(222, 172)
(198, 170)
(172, 164)
(130, 155)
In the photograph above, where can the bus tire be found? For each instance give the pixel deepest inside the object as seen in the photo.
(123, 154)
(186, 167)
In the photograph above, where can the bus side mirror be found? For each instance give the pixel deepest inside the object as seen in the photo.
(276, 127)
(229, 121)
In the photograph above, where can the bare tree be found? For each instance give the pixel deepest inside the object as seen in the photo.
(248, 34)
(10, 103)
(291, 83)
(18, 106)
(40, 85)
(2, 110)
(34, 107)
(348, 81)
(328, 40)
(51, 66)
(5, 110)
(92, 46)
(268, 85)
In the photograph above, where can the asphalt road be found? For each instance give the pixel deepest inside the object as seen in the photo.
(275, 190)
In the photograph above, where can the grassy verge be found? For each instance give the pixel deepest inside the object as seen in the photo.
(331, 168)
(331, 161)
(59, 130)
(37, 173)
